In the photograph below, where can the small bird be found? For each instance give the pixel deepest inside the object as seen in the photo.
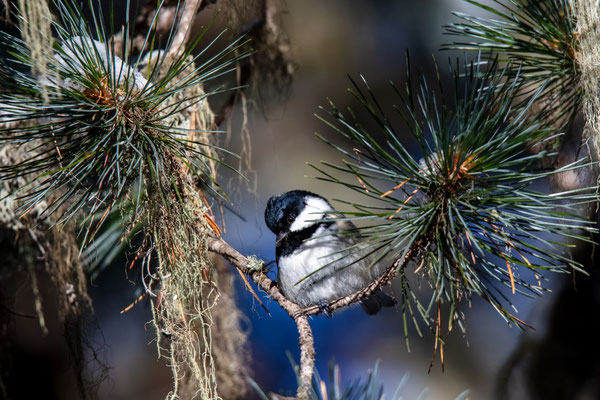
(318, 261)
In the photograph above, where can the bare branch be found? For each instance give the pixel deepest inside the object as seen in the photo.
(190, 7)
(299, 314)
(307, 357)
(223, 248)
(307, 349)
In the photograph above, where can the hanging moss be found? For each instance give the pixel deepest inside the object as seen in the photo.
(190, 309)
(173, 168)
(188, 292)
(43, 246)
(35, 25)
(588, 58)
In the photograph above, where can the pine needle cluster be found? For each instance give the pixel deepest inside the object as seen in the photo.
(541, 40)
(101, 127)
(471, 205)
(369, 388)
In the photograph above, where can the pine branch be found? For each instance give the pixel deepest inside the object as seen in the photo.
(103, 128)
(468, 202)
(539, 38)
(107, 138)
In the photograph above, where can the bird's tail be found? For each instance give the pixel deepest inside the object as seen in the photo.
(376, 301)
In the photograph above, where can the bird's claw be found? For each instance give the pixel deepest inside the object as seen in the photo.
(324, 307)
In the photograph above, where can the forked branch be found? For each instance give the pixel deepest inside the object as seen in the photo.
(298, 313)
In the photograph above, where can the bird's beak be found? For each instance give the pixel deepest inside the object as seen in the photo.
(280, 238)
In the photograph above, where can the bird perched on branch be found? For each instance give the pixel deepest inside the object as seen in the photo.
(319, 258)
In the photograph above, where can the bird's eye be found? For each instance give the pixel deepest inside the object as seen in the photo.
(291, 218)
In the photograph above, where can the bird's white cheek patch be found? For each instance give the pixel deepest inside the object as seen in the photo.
(314, 210)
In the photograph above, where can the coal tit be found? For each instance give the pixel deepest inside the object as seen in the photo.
(317, 262)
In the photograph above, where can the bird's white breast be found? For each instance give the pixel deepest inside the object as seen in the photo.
(330, 264)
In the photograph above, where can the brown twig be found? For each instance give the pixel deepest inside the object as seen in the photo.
(184, 29)
(299, 314)
(307, 357)
(305, 337)
(385, 279)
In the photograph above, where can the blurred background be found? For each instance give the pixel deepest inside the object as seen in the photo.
(329, 41)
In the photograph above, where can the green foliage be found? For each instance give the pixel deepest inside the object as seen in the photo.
(99, 128)
(468, 211)
(115, 237)
(540, 38)
(369, 388)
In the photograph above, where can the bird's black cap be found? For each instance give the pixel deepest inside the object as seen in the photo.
(284, 208)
